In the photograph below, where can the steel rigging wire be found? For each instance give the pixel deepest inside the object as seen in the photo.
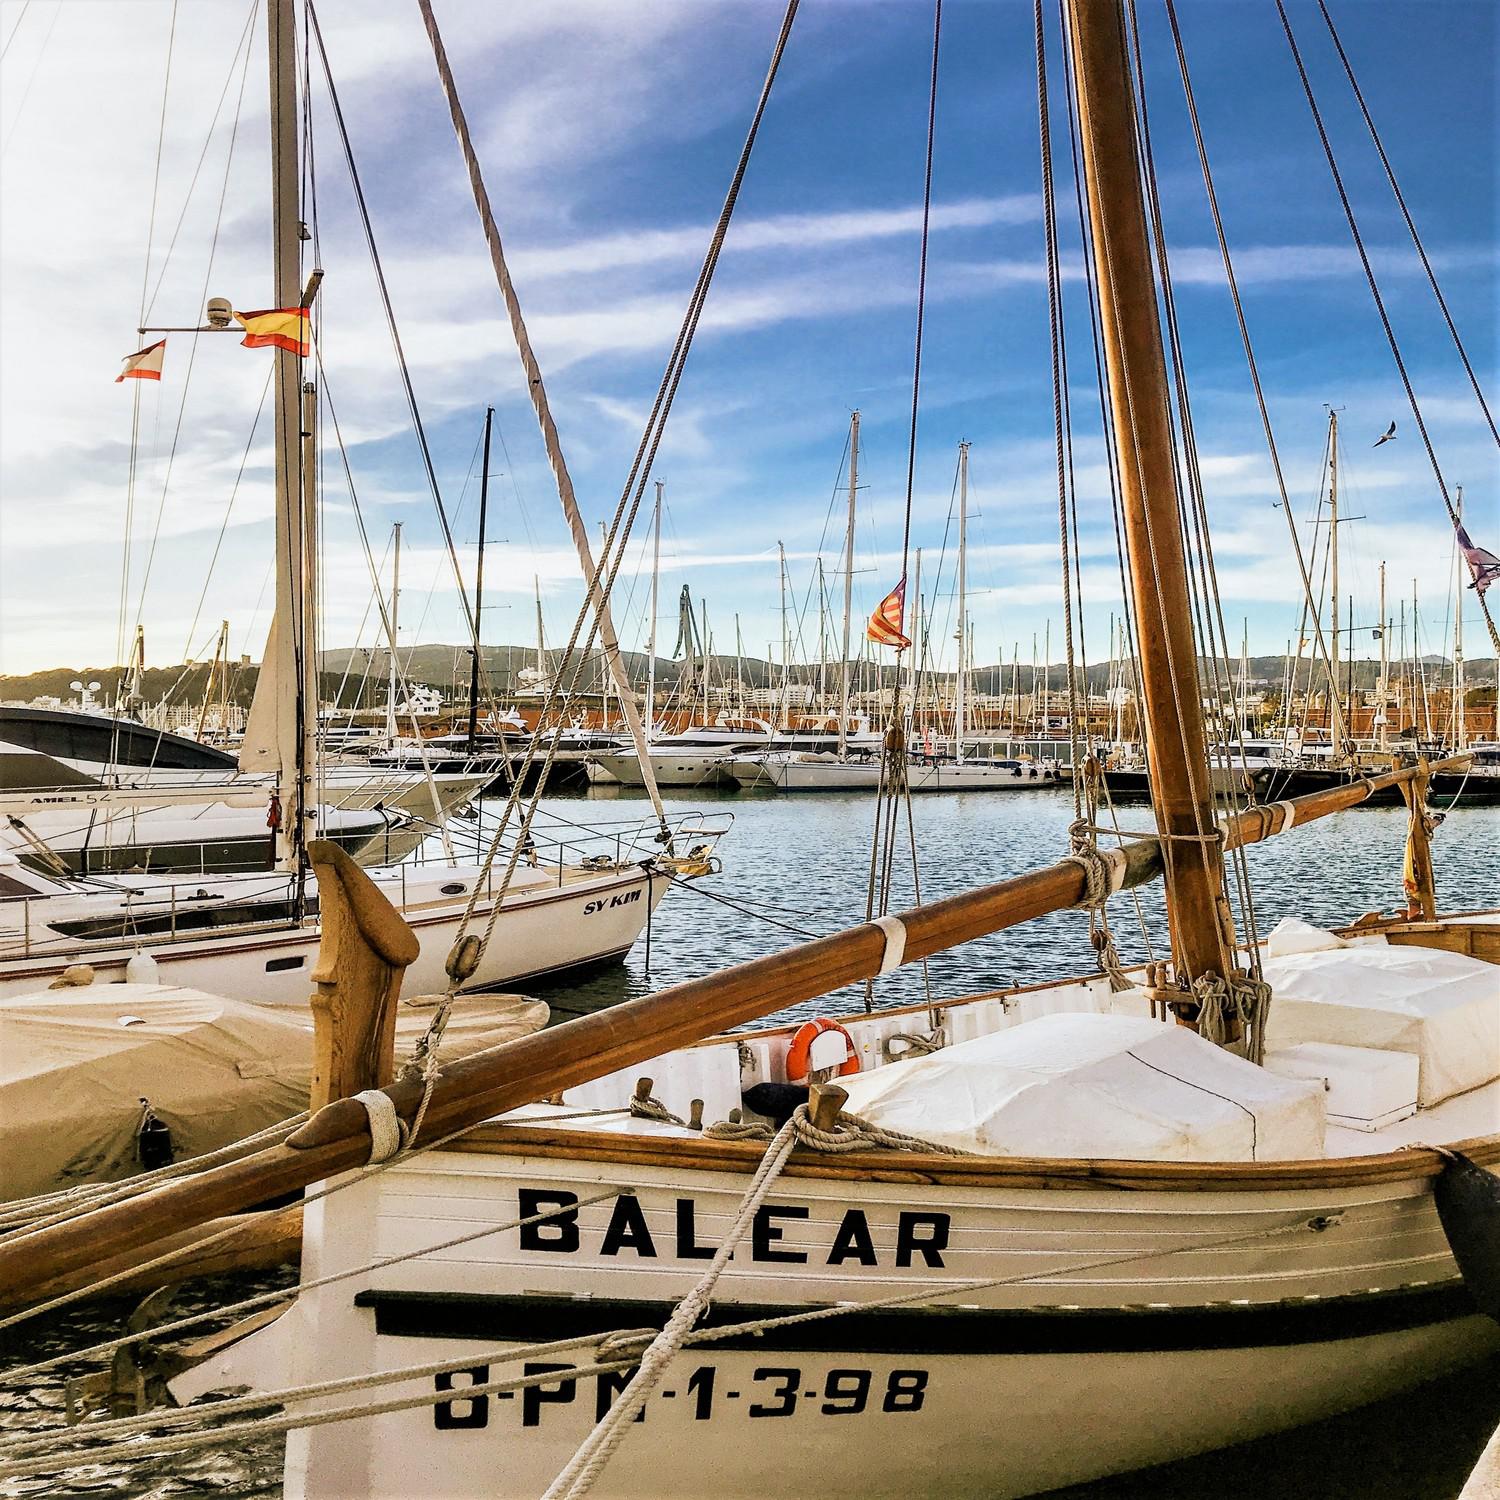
(893, 788)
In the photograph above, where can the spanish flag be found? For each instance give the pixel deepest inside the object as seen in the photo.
(276, 328)
(144, 364)
(885, 624)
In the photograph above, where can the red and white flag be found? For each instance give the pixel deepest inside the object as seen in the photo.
(145, 364)
(886, 624)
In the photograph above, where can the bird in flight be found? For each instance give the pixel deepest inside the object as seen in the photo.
(1386, 436)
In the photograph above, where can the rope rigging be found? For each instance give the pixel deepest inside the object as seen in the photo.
(598, 588)
(893, 788)
(1411, 226)
(418, 428)
(1379, 300)
(1207, 601)
(1320, 642)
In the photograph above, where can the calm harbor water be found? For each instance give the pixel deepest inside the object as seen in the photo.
(802, 864)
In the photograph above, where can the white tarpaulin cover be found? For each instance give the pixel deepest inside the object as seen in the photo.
(1445, 1007)
(1120, 1087)
(75, 1063)
(1293, 935)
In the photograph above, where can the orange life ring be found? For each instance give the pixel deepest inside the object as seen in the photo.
(799, 1054)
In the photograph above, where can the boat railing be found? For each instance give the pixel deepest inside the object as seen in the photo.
(568, 846)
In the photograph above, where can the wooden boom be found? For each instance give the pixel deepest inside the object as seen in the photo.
(488, 1083)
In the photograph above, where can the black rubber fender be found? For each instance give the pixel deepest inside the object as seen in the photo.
(1468, 1203)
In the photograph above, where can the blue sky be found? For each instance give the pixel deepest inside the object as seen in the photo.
(608, 132)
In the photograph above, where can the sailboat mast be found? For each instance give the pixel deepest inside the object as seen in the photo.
(786, 645)
(703, 647)
(1385, 667)
(655, 607)
(1460, 736)
(1176, 745)
(1333, 560)
(390, 690)
(484, 500)
(220, 666)
(739, 667)
(541, 642)
(919, 640)
(295, 749)
(310, 696)
(848, 583)
(959, 703)
(822, 640)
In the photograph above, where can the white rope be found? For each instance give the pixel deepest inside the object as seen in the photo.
(386, 1129)
(1288, 814)
(854, 1133)
(68, 1203)
(895, 943)
(32, 1463)
(581, 1471)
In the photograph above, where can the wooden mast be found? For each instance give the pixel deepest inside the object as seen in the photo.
(392, 728)
(1172, 708)
(1336, 711)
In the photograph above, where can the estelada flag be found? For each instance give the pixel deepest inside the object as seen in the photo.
(276, 328)
(144, 364)
(885, 627)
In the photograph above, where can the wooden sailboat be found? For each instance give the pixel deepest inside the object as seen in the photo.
(906, 1318)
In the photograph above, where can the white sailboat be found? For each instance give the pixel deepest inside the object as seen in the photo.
(254, 936)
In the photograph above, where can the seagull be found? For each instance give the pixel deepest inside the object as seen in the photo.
(1386, 436)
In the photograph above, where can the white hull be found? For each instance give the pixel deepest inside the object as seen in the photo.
(545, 926)
(797, 774)
(208, 822)
(672, 768)
(1071, 1319)
(989, 1426)
(1007, 1392)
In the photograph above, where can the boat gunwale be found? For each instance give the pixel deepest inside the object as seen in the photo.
(1061, 1173)
(535, 1138)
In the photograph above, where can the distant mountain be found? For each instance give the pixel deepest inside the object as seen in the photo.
(356, 676)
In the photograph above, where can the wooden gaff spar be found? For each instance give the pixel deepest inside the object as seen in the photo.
(523, 1072)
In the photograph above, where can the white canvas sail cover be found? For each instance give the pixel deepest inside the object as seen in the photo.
(75, 1063)
(1119, 1087)
(1445, 1007)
